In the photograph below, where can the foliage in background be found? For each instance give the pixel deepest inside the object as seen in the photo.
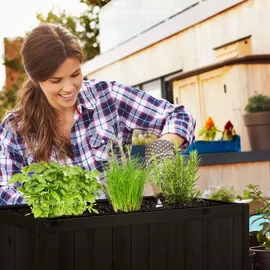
(85, 28)
(8, 95)
(53, 190)
(258, 103)
(255, 193)
(125, 180)
(176, 177)
(220, 193)
(141, 137)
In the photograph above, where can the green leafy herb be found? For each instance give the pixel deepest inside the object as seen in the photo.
(258, 103)
(176, 178)
(53, 190)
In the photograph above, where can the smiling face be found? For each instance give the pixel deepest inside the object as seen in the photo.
(62, 88)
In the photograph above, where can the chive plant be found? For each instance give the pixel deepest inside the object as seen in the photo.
(176, 178)
(125, 180)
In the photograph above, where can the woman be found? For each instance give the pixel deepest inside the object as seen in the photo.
(60, 117)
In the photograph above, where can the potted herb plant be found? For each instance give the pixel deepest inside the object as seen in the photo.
(170, 236)
(229, 142)
(257, 122)
(262, 252)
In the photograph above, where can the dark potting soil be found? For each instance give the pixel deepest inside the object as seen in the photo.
(105, 208)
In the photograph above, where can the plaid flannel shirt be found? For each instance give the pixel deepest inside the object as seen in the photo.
(105, 111)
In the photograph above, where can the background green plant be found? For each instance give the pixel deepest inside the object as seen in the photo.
(53, 190)
(85, 28)
(255, 193)
(176, 178)
(258, 103)
(220, 193)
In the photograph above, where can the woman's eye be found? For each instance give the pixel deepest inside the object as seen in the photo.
(58, 81)
(75, 75)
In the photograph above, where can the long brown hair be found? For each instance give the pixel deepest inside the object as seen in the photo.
(43, 51)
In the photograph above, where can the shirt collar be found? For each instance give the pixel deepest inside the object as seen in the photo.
(85, 99)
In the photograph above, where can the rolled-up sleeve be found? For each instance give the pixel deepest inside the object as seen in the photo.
(139, 110)
(10, 163)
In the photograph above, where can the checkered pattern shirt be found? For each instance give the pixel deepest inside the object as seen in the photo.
(105, 111)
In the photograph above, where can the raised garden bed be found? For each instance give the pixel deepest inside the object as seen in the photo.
(204, 235)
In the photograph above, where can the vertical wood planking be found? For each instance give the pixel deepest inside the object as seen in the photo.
(140, 247)
(121, 248)
(176, 245)
(237, 243)
(194, 244)
(214, 244)
(8, 247)
(84, 250)
(103, 249)
(53, 250)
(66, 250)
(20, 249)
(227, 243)
(158, 247)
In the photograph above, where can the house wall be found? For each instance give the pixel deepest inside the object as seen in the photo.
(223, 94)
(237, 175)
(193, 47)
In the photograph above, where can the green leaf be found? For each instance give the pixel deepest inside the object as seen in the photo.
(37, 212)
(55, 195)
(18, 177)
(39, 188)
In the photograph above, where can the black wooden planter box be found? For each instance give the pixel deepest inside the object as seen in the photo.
(212, 238)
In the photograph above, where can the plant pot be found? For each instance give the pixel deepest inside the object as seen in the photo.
(203, 147)
(258, 129)
(261, 258)
(251, 260)
(213, 237)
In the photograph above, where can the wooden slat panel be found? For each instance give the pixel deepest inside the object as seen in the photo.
(194, 244)
(140, 247)
(21, 249)
(158, 250)
(8, 247)
(66, 250)
(227, 233)
(176, 245)
(237, 243)
(214, 244)
(121, 248)
(103, 249)
(53, 250)
(84, 250)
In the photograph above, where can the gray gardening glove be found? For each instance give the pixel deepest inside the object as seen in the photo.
(157, 151)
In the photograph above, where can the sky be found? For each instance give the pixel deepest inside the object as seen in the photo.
(17, 17)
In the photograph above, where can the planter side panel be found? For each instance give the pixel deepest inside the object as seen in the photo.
(17, 248)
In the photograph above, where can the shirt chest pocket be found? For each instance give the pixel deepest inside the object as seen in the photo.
(101, 142)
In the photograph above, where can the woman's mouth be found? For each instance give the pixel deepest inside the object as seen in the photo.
(67, 97)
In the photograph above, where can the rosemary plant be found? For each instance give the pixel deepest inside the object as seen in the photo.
(176, 178)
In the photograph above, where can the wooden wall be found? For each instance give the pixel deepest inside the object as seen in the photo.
(194, 47)
(223, 94)
(239, 175)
